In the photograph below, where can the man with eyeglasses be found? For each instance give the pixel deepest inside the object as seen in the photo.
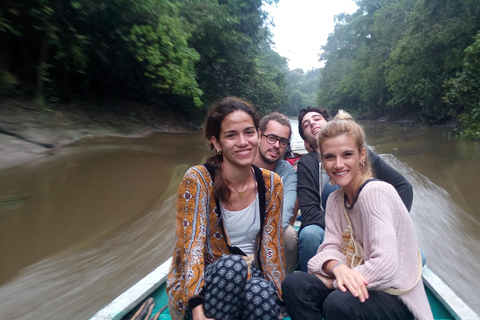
(275, 132)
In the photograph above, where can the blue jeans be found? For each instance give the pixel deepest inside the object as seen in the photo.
(309, 239)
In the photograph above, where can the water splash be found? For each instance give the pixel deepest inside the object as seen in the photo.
(448, 235)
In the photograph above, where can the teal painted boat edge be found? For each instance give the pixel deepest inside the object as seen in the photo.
(458, 309)
(160, 299)
(128, 300)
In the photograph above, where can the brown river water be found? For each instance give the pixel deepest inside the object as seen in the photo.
(81, 226)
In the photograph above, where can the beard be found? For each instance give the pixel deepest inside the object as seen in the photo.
(267, 160)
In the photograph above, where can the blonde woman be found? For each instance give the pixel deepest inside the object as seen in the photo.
(369, 265)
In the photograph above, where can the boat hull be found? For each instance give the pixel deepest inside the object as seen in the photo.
(445, 304)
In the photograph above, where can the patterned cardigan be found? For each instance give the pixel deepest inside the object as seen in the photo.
(199, 238)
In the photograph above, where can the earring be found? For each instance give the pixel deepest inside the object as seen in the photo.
(219, 152)
(362, 166)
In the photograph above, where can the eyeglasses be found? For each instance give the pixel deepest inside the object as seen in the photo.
(271, 139)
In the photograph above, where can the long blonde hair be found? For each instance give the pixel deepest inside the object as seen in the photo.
(343, 123)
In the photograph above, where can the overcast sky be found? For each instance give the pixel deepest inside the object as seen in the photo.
(303, 26)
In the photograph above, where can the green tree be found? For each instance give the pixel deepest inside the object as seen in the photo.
(396, 56)
(88, 47)
(268, 89)
(463, 93)
(180, 53)
(164, 53)
(429, 53)
(235, 58)
(344, 53)
(301, 90)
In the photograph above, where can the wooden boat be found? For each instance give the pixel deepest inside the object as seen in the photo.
(445, 304)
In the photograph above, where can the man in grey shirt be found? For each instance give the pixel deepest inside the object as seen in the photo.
(275, 133)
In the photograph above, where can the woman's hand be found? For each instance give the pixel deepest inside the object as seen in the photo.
(351, 280)
(198, 314)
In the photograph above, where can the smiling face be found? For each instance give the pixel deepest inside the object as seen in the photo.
(238, 140)
(271, 153)
(312, 122)
(342, 161)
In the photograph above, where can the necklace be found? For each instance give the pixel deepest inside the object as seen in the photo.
(241, 194)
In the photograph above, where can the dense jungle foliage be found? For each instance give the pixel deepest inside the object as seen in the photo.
(405, 57)
(397, 57)
(181, 54)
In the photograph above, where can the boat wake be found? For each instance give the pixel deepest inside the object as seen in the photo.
(448, 235)
(74, 285)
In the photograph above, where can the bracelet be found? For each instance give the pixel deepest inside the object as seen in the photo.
(336, 265)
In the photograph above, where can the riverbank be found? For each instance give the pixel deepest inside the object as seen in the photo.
(28, 132)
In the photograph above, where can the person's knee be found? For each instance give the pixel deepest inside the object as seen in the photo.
(292, 281)
(228, 267)
(232, 260)
(288, 284)
(312, 234)
(290, 238)
(310, 238)
(288, 281)
(338, 304)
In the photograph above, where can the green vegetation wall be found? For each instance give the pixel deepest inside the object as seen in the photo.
(404, 57)
(181, 54)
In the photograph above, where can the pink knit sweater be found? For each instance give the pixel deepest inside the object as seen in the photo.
(383, 227)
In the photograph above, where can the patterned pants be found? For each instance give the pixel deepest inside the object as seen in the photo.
(230, 296)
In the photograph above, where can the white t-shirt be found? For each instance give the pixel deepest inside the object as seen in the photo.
(243, 226)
